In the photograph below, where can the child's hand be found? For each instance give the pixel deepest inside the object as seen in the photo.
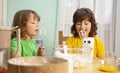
(82, 34)
(41, 51)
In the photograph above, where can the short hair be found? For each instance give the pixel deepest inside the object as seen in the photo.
(80, 15)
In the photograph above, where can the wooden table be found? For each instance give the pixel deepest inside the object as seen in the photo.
(91, 68)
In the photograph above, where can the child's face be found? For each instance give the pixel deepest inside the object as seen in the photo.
(32, 28)
(85, 26)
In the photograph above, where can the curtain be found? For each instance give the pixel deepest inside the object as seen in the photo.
(116, 22)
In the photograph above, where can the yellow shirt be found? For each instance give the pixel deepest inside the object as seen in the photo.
(75, 42)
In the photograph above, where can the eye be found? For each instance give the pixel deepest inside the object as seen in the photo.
(88, 41)
(86, 23)
(84, 41)
(33, 22)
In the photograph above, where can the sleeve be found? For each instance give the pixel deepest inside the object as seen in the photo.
(68, 41)
(36, 49)
(100, 48)
(14, 44)
(69, 44)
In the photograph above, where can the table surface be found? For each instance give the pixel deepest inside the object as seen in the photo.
(91, 68)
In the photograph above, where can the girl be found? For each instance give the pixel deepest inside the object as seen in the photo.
(27, 21)
(84, 25)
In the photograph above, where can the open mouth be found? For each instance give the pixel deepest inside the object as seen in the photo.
(37, 30)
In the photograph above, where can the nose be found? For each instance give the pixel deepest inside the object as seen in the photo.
(37, 25)
(83, 26)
